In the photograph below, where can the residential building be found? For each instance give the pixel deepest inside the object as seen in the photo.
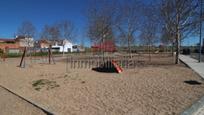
(62, 46)
(107, 46)
(9, 45)
(15, 45)
(42, 44)
(78, 48)
(25, 41)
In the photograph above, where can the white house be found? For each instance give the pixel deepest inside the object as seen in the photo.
(25, 41)
(65, 46)
(78, 48)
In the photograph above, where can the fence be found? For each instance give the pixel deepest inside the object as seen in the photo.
(196, 56)
(125, 61)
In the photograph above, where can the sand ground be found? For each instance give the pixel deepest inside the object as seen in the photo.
(149, 90)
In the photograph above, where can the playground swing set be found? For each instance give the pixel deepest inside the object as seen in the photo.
(24, 55)
(31, 53)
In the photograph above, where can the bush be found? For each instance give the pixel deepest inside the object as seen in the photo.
(1, 51)
(186, 51)
(13, 55)
(40, 54)
(196, 51)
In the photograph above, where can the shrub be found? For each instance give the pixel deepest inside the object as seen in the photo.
(186, 51)
(13, 55)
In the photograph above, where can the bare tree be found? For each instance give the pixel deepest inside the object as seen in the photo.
(50, 33)
(100, 21)
(26, 29)
(100, 25)
(66, 29)
(150, 26)
(99, 29)
(180, 19)
(45, 33)
(128, 21)
(168, 38)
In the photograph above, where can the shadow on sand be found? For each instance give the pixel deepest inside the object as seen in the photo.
(106, 67)
(192, 82)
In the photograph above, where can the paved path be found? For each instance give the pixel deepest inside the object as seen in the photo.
(198, 107)
(193, 64)
(11, 104)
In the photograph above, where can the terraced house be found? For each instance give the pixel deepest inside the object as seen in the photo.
(15, 45)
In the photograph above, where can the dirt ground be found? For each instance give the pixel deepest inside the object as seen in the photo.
(148, 90)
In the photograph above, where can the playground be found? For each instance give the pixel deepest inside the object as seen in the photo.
(145, 86)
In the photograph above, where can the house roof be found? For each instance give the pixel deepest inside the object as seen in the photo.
(108, 45)
(43, 41)
(13, 46)
(7, 40)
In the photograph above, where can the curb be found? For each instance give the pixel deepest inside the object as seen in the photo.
(194, 108)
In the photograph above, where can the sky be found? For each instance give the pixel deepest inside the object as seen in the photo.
(41, 12)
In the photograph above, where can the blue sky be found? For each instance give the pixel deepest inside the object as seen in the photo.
(41, 12)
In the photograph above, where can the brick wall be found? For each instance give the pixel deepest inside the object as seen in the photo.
(9, 46)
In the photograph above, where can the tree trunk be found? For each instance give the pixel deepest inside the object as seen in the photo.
(49, 54)
(177, 47)
(129, 48)
(172, 49)
(177, 38)
(103, 49)
(63, 51)
(23, 57)
(149, 47)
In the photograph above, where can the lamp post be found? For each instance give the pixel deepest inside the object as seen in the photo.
(201, 16)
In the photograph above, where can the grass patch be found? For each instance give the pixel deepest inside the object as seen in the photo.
(44, 83)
